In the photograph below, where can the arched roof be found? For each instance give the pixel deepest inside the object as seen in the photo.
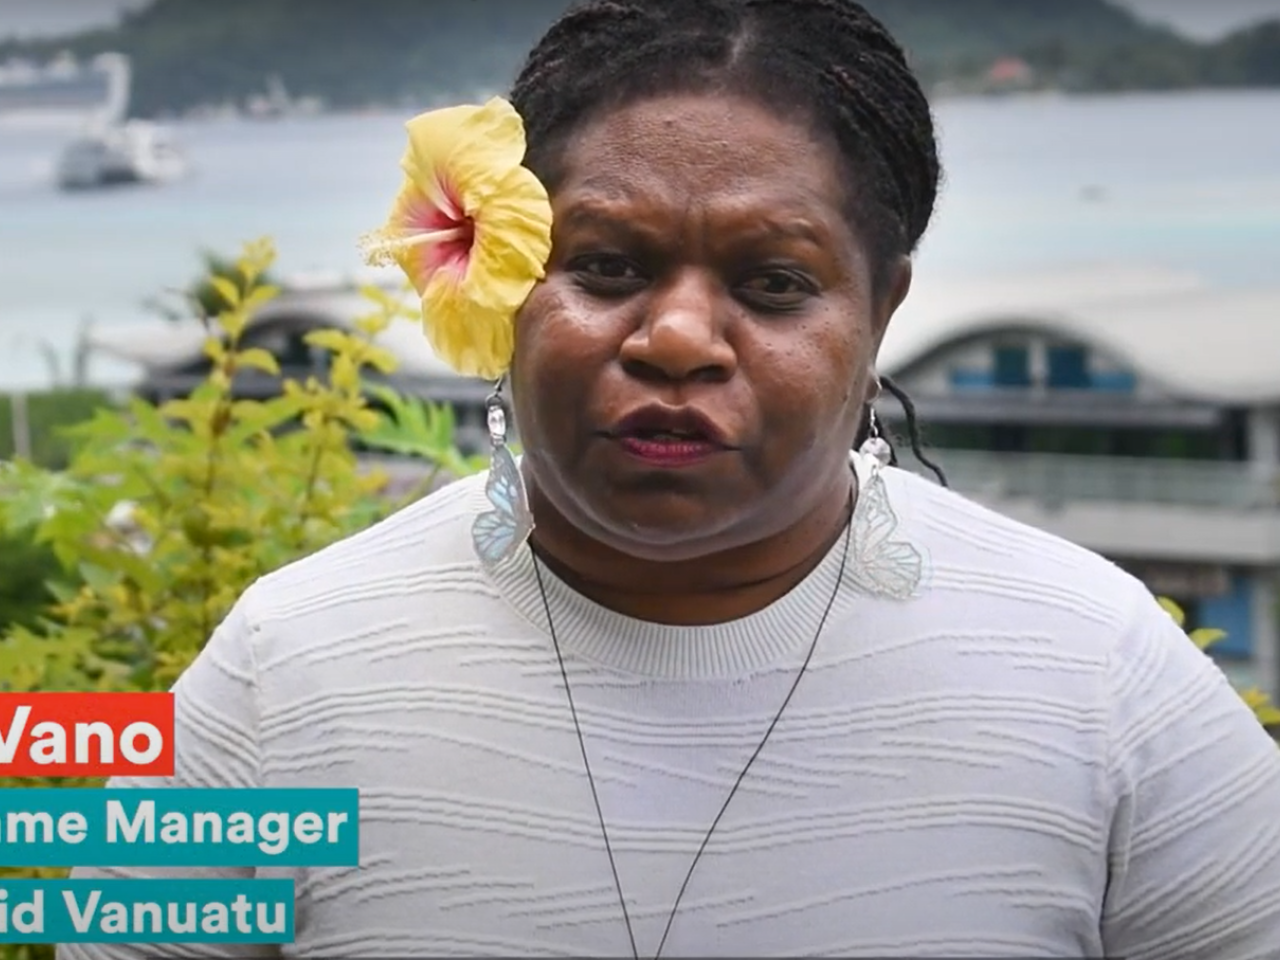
(1195, 341)
(160, 345)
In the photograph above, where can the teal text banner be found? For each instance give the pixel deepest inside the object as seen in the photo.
(179, 827)
(146, 911)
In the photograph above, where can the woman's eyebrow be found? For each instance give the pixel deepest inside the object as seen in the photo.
(802, 228)
(597, 209)
(614, 212)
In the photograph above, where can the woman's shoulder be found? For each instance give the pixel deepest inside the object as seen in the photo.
(1034, 602)
(1011, 565)
(1009, 607)
(392, 561)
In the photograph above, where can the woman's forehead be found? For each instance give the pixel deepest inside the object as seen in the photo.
(750, 216)
(683, 148)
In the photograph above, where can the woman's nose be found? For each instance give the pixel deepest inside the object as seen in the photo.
(682, 334)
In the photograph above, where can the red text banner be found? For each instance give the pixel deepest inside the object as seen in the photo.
(86, 734)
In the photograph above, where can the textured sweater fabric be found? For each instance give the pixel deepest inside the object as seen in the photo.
(1024, 757)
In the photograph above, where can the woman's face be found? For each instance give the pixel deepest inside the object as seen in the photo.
(691, 374)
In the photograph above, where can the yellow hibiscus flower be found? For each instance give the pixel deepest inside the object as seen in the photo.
(471, 228)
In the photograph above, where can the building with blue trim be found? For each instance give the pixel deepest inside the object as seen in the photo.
(1133, 411)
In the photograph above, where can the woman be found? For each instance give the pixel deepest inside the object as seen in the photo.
(713, 689)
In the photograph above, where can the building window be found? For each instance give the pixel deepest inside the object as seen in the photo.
(1068, 368)
(1114, 381)
(963, 378)
(1012, 366)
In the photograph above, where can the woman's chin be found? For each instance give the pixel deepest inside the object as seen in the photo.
(667, 529)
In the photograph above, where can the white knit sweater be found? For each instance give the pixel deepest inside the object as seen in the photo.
(1026, 758)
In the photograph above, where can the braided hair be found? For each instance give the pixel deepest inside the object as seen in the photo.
(827, 61)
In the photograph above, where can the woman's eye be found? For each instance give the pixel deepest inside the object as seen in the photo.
(779, 288)
(607, 272)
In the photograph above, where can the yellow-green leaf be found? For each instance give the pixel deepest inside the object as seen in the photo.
(1261, 706)
(258, 359)
(227, 290)
(1268, 716)
(344, 374)
(384, 361)
(334, 340)
(233, 324)
(260, 296)
(1207, 636)
(215, 349)
(1173, 610)
(373, 324)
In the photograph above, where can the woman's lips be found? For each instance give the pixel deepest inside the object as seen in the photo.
(662, 436)
(669, 451)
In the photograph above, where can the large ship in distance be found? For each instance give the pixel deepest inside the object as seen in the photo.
(94, 97)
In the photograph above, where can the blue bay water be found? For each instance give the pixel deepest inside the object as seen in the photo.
(1188, 181)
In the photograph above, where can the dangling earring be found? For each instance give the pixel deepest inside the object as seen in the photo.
(498, 533)
(875, 446)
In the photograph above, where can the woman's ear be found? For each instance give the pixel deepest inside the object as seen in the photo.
(873, 389)
(896, 288)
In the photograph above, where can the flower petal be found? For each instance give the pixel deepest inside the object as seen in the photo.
(475, 340)
(459, 154)
(492, 146)
(512, 243)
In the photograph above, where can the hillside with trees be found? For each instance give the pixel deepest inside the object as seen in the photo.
(188, 53)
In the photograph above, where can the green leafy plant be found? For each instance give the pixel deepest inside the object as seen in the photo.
(48, 413)
(206, 293)
(424, 431)
(165, 514)
(25, 570)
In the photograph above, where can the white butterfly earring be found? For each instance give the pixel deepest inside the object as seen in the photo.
(498, 533)
(883, 564)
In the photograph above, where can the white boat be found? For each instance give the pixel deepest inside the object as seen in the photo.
(93, 97)
(131, 152)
